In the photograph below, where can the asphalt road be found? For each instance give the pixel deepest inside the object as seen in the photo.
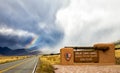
(21, 66)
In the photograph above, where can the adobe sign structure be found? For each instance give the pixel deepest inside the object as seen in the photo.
(98, 54)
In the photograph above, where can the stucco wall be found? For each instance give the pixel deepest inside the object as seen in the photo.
(107, 56)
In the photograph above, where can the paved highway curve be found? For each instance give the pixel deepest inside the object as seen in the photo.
(20, 66)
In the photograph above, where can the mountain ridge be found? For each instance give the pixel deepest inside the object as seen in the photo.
(9, 52)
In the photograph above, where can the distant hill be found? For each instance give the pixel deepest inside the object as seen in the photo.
(5, 51)
(9, 52)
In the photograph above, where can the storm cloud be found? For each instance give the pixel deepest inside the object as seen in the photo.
(23, 20)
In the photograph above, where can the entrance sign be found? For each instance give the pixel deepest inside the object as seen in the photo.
(86, 56)
(98, 54)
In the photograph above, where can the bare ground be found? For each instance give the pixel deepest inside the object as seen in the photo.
(87, 69)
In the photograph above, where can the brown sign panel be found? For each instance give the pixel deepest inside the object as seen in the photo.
(86, 56)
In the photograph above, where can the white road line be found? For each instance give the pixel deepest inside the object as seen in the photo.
(35, 66)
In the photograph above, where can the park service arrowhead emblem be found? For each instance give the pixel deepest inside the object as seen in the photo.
(68, 56)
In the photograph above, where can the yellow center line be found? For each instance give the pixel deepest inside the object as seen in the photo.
(4, 70)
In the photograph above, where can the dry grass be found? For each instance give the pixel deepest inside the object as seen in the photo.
(117, 53)
(5, 59)
(46, 62)
(52, 59)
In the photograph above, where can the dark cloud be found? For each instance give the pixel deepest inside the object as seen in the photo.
(34, 17)
(24, 14)
(50, 39)
(14, 42)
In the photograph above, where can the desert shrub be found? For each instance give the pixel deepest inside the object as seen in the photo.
(118, 60)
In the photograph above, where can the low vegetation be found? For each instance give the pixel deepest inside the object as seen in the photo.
(46, 62)
(117, 55)
(118, 61)
(5, 59)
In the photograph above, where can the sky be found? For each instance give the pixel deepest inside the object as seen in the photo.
(52, 24)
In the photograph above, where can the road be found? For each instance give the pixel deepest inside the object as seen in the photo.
(20, 66)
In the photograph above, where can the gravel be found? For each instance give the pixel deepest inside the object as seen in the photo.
(87, 69)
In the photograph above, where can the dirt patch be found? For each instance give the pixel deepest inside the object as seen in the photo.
(87, 69)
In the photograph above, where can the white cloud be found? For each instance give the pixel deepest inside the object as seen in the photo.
(4, 30)
(86, 22)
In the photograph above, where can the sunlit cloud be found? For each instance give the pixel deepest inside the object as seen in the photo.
(15, 32)
(86, 22)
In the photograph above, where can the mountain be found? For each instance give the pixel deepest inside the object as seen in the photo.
(9, 52)
(5, 51)
(20, 52)
(25, 52)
